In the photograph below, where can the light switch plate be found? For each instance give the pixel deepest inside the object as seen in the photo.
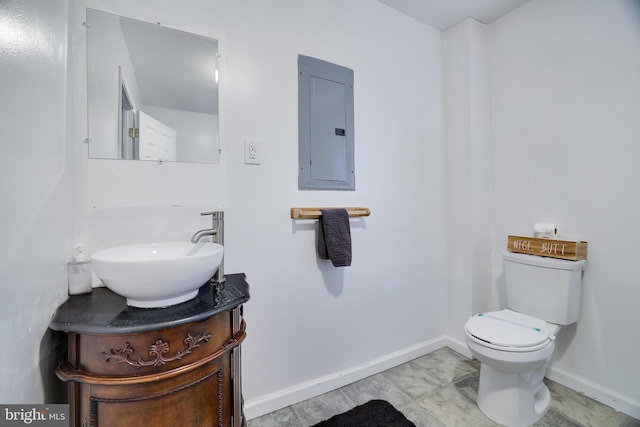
(251, 151)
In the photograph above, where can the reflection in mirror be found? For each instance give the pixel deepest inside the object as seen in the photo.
(152, 92)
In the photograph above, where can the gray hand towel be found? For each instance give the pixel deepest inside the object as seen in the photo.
(334, 237)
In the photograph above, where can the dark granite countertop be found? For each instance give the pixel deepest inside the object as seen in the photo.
(104, 312)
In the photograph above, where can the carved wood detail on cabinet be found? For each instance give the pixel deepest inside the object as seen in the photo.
(187, 375)
(157, 350)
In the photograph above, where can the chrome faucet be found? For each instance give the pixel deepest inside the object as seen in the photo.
(201, 233)
(217, 236)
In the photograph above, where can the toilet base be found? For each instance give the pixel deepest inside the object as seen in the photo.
(513, 399)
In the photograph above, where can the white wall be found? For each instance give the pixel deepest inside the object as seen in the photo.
(36, 172)
(565, 124)
(310, 325)
(466, 108)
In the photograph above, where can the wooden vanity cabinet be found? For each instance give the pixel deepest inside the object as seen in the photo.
(184, 375)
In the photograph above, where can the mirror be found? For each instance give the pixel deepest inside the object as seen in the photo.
(152, 92)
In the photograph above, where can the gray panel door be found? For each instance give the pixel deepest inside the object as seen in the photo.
(328, 121)
(325, 126)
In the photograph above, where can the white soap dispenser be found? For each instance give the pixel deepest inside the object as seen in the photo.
(79, 271)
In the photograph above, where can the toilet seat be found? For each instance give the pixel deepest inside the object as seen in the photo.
(508, 330)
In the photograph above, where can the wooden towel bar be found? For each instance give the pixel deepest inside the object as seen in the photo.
(314, 213)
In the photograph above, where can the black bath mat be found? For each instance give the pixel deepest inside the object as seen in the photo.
(375, 413)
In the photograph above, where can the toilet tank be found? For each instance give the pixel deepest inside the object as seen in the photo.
(546, 288)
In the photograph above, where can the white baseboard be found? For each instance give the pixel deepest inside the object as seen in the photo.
(595, 391)
(263, 405)
(459, 347)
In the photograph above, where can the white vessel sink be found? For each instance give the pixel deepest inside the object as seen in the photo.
(157, 274)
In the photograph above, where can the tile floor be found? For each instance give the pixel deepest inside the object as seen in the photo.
(440, 389)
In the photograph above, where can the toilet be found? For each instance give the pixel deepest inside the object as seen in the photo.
(515, 344)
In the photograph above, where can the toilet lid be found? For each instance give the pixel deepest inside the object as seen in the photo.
(507, 328)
